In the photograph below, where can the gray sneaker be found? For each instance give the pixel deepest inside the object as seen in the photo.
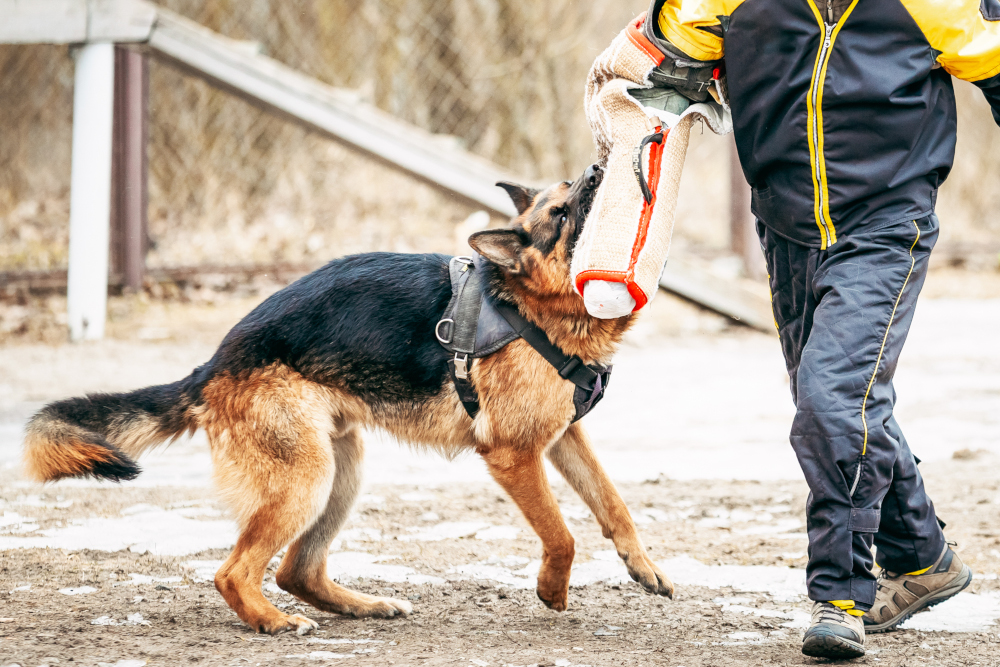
(834, 633)
(900, 596)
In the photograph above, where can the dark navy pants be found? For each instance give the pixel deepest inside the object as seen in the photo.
(843, 314)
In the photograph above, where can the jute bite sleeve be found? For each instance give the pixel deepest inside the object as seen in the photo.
(624, 244)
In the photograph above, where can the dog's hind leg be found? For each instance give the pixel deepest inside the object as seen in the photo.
(573, 457)
(522, 474)
(274, 467)
(303, 569)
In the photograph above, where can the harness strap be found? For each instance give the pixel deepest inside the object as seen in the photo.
(570, 368)
(458, 328)
(457, 331)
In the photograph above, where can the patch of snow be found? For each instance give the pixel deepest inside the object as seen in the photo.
(575, 512)
(123, 663)
(354, 565)
(146, 528)
(782, 583)
(741, 638)
(966, 612)
(522, 578)
(508, 561)
(796, 617)
(354, 536)
(36, 501)
(82, 590)
(140, 508)
(192, 512)
(13, 522)
(647, 515)
(430, 516)
(792, 555)
(272, 587)
(416, 496)
(498, 533)
(202, 570)
(779, 526)
(317, 640)
(131, 619)
(320, 655)
(137, 579)
(446, 530)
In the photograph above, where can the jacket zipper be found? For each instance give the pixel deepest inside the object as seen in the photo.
(824, 54)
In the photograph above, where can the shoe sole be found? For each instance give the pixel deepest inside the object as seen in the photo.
(822, 644)
(949, 590)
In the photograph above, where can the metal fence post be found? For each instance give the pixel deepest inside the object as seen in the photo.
(90, 194)
(129, 194)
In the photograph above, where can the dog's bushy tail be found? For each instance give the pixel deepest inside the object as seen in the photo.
(99, 435)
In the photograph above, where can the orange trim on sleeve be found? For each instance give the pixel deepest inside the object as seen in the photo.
(613, 277)
(641, 42)
(628, 277)
(655, 159)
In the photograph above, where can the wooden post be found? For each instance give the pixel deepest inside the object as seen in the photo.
(129, 195)
(742, 233)
(90, 190)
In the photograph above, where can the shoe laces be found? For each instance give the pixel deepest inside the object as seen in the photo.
(830, 612)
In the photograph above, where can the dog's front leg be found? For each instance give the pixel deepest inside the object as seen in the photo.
(575, 460)
(521, 473)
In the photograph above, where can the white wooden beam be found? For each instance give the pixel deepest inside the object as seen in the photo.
(337, 113)
(74, 21)
(90, 190)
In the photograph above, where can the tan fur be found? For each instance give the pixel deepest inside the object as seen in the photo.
(49, 456)
(287, 451)
(287, 454)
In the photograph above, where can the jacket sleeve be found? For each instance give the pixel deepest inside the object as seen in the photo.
(966, 35)
(991, 88)
(689, 29)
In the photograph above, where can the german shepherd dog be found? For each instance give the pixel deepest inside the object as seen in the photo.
(352, 346)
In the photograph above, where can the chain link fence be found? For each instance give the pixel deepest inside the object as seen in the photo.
(230, 184)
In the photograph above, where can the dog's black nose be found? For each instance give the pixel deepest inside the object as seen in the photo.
(593, 175)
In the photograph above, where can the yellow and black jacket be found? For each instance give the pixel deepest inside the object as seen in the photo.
(843, 110)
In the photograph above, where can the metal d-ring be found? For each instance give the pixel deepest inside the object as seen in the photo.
(437, 331)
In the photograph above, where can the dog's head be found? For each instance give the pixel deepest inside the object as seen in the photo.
(535, 250)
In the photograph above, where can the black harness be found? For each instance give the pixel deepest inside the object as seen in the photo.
(476, 325)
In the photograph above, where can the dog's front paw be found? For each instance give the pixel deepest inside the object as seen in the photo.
(554, 600)
(644, 571)
(553, 583)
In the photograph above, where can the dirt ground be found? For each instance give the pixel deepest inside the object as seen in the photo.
(459, 549)
(184, 621)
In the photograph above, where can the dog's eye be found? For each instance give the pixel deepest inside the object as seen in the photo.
(560, 213)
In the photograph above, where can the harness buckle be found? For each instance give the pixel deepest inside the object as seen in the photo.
(570, 367)
(451, 332)
(461, 367)
(464, 259)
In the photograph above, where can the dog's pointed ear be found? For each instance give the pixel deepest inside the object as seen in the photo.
(503, 247)
(521, 195)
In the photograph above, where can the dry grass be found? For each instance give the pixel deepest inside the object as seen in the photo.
(230, 184)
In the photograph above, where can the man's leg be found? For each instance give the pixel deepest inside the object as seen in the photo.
(866, 286)
(918, 569)
(843, 314)
(909, 537)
